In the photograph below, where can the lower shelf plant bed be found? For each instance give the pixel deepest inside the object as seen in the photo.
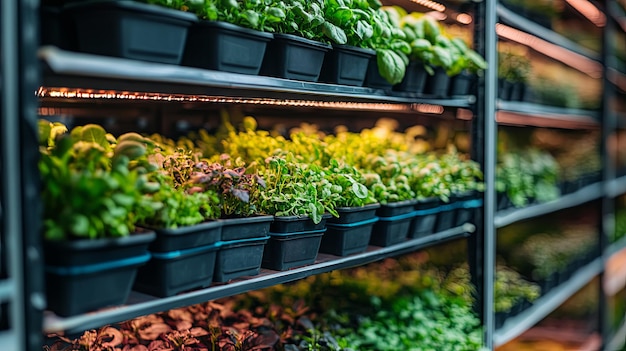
(398, 305)
(85, 275)
(287, 250)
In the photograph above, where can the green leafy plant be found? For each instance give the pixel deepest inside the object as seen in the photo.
(511, 289)
(513, 67)
(93, 187)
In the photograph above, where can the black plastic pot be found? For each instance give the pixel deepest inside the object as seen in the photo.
(225, 47)
(354, 214)
(504, 89)
(131, 30)
(414, 79)
(238, 258)
(373, 79)
(446, 218)
(346, 65)
(246, 227)
(425, 217)
(293, 57)
(287, 250)
(292, 224)
(461, 84)
(397, 208)
(86, 275)
(56, 28)
(517, 91)
(391, 230)
(347, 239)
(465, 205)
(172, 272)
(437, 84)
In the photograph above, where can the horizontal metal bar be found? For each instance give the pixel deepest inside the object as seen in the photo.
(586, 194)
(616, 187)
(526, 113)
(517, 325)
(526, 25)
(79, 70)
(141, 304)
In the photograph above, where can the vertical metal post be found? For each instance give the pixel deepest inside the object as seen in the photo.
(486, 44)
(608, 124)
(20, 78)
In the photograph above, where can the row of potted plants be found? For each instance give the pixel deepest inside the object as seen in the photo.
(512, 294)
(228, 215)
(349, 42)
(398, 304)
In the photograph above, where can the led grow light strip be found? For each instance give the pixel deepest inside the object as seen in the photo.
(590, 67)
(430, 4)
(588, 10)
(65, 93)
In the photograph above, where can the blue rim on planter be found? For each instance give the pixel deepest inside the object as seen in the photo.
(171, 272)
(86, 275)
(346, 64)
(293, 57)
(287, 250)
(347, 239)
(131, 29)
(225, 47)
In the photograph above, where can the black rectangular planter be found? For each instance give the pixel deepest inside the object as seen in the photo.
(354, 214)
(202, 234)
(437, 84)
(461, 83)
(423, 222)
(346, 64)
(238, 258)
(292, 224)
(246, 227)
(86, 275)
(131, 30)
(392, 209)
(414, 79)
(287, 250)
(225, 47)
(446, 218)
(169, 273)
(391, 230)
(347, 239)
(373, 79)
(293, 57)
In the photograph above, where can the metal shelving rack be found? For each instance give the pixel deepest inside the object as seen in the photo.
(23, 286)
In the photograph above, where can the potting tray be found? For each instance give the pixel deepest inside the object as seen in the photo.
(247, 227)
(465, 211)
(347, 239)
(293, 57)
(238, 258)
(187, 237)
(169, 273)
(354, 214)
(77, 289)
(391, 230)
(288, 250)
(131, 29)
(346, 64)
(290, 224)
(446, 218)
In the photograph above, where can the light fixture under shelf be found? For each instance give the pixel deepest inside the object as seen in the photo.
(54, 93)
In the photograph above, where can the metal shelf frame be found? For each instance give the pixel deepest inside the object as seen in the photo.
(515, 326)
(530, 114)
(144, 304)
(586, 194)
